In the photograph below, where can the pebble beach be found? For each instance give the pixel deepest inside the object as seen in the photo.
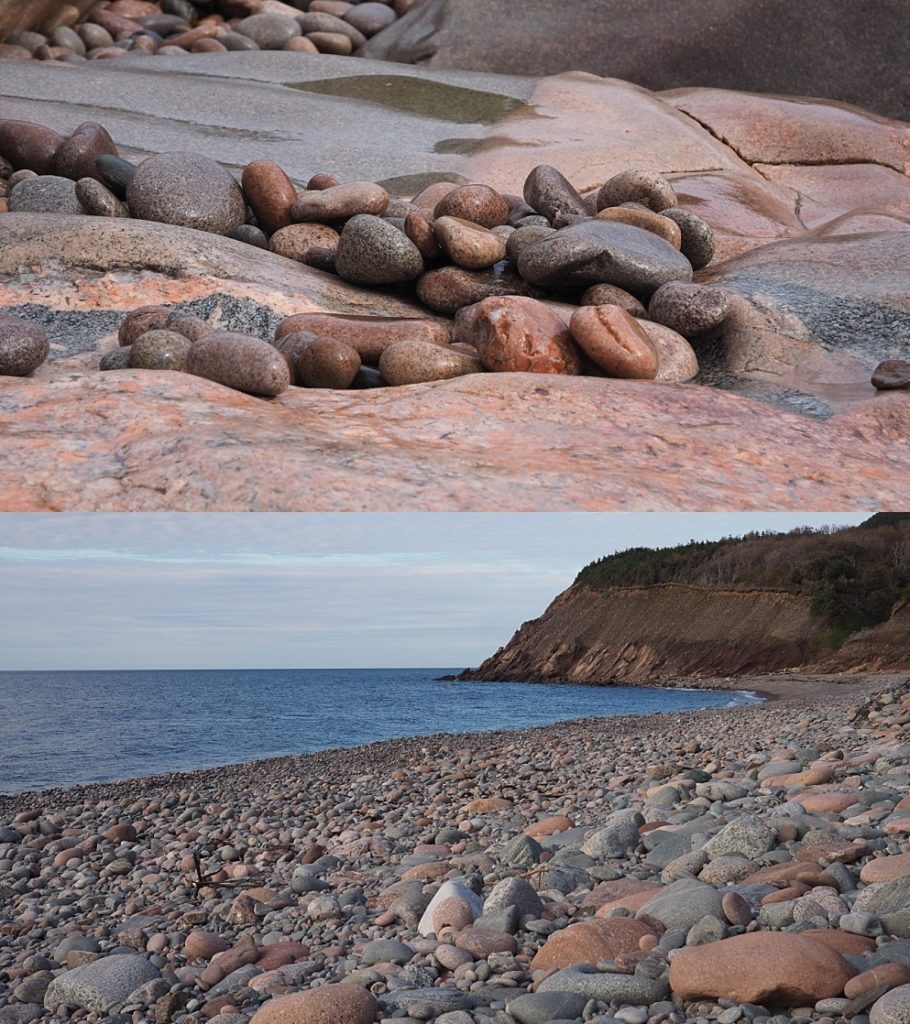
(727, 864)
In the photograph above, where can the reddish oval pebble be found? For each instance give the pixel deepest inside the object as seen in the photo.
(513, 333)
(77, 155)
(270, 192)
(300, 44)
(418, 228)
(328, 363)
(468, 244)
(417, 362)
(647, 220)
(292, 346)
(188, 324)
(239, 361)
(331, 42)
(28, 145)
(676, 359)
(477, 203)
(208, 45)
(449, 289)
(321, 181)
(329, 1004)
(612, 338)
(369, 336)
(341, 202)
(296, 240)
(146, 318)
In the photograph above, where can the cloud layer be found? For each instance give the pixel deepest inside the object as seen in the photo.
(305, 591)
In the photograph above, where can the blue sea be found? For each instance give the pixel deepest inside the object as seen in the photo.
(70, 728)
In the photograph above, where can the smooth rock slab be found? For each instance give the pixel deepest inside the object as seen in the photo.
(84, 441)
(98, 986)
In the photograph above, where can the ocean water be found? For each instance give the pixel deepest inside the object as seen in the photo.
(70, 728)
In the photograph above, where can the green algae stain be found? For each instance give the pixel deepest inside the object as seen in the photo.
(418, 96)
(463, 147)
(411, 184)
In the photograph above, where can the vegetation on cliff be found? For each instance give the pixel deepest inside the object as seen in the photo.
(854, 576)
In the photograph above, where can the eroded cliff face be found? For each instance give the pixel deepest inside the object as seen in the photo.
(884, 648)
(648, 634)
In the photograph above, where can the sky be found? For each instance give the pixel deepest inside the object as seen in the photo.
(314, 590)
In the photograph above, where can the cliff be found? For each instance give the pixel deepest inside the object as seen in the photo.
(645, 634)
(814, 601)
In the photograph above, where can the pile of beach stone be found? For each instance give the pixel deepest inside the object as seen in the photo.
(548, 281)
(116, 29)
(738, 864)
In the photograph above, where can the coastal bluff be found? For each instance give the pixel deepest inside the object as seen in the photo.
(736, 608)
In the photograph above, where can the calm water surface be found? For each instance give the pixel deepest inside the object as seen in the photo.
(67, 728)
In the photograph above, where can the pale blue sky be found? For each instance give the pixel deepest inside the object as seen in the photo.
(312, 590)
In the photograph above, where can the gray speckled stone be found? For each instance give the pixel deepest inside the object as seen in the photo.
(697, 236)
(45, 193)
(542, 1007)
(160, 350)
(514, 892)
(98, 986)
(23, 348)
(424, 1003)
(627, 988)
(97, 199)
(892, 1008)
(689, 309)
(116, 359)
(386, 951)
(683, 903)
(186, 189)
(372, 251)
(745, 835)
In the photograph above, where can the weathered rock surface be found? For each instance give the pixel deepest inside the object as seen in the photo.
(785, 339)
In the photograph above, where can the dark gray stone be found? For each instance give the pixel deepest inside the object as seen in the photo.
(594, 252)
(892, 374)
(542, 1007)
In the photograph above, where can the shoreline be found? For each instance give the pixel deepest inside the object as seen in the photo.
(322, 876)
(773, 690)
